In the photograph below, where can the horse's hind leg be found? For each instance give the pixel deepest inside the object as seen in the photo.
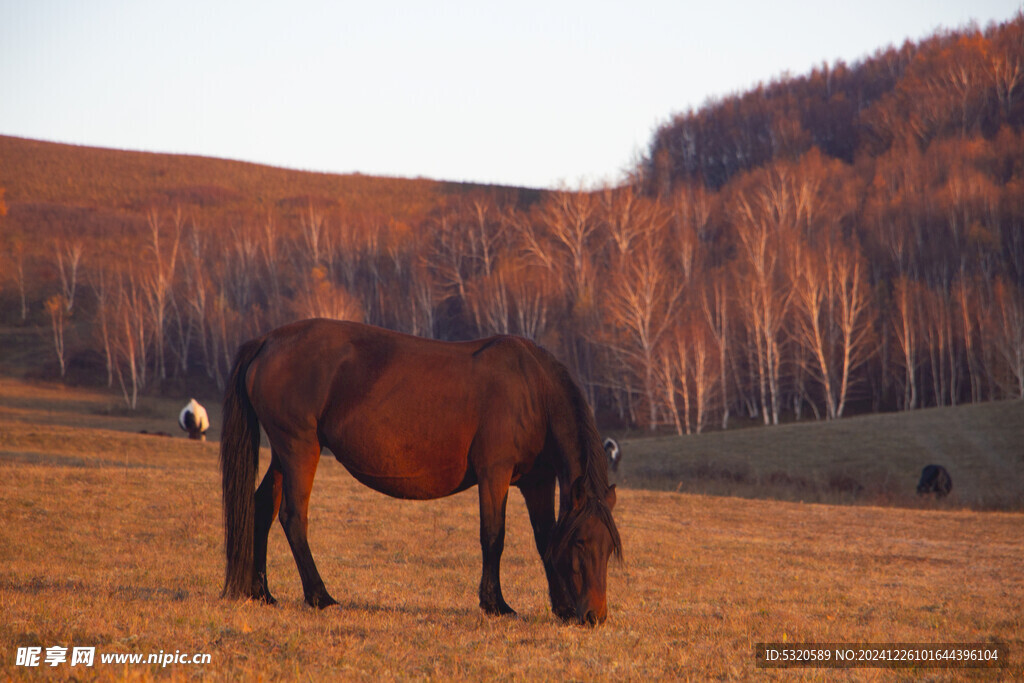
(268, 502)
(493, 497)
(298, 467)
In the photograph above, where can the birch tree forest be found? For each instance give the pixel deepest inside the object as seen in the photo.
(850, 240)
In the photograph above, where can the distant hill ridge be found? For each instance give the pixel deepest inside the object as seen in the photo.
(34, 171)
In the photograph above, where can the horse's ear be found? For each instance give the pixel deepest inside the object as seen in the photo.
(609, 497)
(579, 493)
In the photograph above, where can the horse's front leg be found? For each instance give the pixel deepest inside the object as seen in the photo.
(539, 493)
(493, 497)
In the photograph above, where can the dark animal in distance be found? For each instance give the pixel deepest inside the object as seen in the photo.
(611, 447)
(194, 420)
(417, 419)
(935, 479)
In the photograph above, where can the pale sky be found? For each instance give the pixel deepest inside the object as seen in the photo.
(524, 92)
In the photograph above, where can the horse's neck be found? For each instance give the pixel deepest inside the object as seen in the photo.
(568, 470)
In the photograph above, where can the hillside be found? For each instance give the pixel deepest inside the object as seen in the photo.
(37, 172)
(112, 540)
(870, 459)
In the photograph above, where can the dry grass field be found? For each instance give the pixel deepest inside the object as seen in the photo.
(111, 539)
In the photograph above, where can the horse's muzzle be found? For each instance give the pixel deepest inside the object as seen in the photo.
(590, 616)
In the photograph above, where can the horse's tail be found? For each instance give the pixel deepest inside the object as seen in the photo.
(239, 461)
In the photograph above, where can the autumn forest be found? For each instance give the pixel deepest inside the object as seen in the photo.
(848, 240)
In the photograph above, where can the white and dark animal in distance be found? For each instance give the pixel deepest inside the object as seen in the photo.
(611, 447)
(935, 479)
(194, 420)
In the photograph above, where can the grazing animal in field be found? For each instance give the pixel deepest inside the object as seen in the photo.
(935, 479)
(194, 420)
(611, 447)
(417, 419)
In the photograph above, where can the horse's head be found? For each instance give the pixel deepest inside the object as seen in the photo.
(585, 537)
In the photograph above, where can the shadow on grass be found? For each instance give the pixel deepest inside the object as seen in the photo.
(51, 459)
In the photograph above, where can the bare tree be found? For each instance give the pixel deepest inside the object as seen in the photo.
(238, 268)
(17, 257)
(160, 282)
(69, 255)
(490, 303)
(321, 298)
(570, 222)
(566, 236)
(131, 334)
(56, 307)
(535, 296)
(906, 303)
(704, 371)
(690, 231)
(196, 291)
(487, 235)
(936, 327)
(715, 297)
(424, 322)
(1005, 63)
(854, 316)
(968, 307)
(832, 324)
(641, 302)
(627, 216)
(1007, 331)
(765, 216)
(313, 235)
(101, 282)
(272, 260)
(448, 258)
(673, 374)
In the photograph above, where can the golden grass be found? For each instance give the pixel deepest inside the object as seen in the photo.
(112, 539)
(54, 404)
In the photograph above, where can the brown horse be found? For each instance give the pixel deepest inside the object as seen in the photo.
(419, 419)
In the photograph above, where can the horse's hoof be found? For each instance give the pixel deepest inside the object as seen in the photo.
(260, 593)
(500, 610)
(321, 601)
(265, 598)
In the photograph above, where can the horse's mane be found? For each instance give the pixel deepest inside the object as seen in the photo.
(593, 461)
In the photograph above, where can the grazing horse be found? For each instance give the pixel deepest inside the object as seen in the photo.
(611, 447)
(935, 479)
(417, 419)
(194, 420)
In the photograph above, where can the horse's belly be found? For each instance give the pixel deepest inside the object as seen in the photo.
(403, 468)
(407, 431)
